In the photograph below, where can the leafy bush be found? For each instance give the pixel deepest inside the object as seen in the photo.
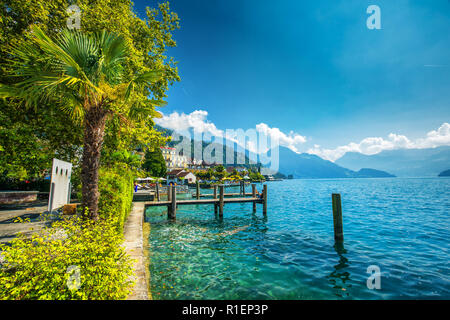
(24, 185)
(37, 268)
(116, 195)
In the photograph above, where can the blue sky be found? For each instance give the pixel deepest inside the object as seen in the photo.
(313, 67)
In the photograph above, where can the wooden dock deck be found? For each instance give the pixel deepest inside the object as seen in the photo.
(218, 200)
(206, 195)
(203, 201)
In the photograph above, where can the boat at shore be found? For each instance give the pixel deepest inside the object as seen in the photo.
(272, 178)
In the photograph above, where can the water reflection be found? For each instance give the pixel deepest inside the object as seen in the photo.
(340, 277)
(200, 254)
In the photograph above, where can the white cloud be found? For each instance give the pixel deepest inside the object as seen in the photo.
(291, 140)
(373, 145)
(197, 120)
(183, 122)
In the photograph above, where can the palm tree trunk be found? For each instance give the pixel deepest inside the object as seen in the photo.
(94, 130)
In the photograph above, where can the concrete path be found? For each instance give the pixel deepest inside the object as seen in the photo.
(9, 229)
(133, 243)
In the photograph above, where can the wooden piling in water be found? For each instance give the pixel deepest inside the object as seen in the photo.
(197, 186)
(157, 192)
(337, 217)
(169, 193)
(173, 206)
(243, 188)
(254, 196)
(215, 197)
(221, 189)
(265, 199)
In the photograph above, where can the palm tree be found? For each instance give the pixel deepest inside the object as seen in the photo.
(86, 76)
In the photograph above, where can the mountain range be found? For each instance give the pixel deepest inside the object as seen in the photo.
(445, 173)
(210, 148)
(305, 165)
(403, 162)
(302, 165)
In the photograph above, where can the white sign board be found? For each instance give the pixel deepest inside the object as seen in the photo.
(60, 184)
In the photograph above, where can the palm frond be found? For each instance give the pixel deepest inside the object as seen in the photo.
(143, 79)
(77, 70)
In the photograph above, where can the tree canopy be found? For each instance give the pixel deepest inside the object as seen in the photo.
(154, 163)
(31, 136)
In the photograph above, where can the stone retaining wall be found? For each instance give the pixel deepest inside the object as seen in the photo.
(13, 197)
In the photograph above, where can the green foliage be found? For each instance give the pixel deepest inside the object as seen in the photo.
(41, 185)
(25, 150)
(129, 160)
(235, 177)
(116, 195)
(219, 168)
(87, 73)
(29, 140)
(36, 268)
(256, 176)
(154, 163)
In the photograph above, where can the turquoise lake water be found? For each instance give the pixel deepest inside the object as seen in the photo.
(400, 225)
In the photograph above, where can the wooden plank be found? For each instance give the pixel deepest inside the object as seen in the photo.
(203, 201)
(205, 195)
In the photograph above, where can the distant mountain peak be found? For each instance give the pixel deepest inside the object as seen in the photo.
(306, 165)
(402, 162)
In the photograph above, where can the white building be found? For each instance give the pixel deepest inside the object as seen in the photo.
(180, 176)
(173, 159)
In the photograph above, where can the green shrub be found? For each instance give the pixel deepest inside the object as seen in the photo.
(35, 184)
(116, 195)
(37, 268)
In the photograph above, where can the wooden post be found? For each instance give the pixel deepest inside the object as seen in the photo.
(198, 189)
(157, 191)
(215, 197)
(169, 192)
(265, 199)
(254, 196)
(221, 201)
(173, 205)
(337, 217)
(243, 188)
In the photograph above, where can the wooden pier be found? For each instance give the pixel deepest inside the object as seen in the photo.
(241, 193)
(218, 201)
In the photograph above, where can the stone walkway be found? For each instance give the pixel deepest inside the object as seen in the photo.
(9, 229)
(133, 243)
